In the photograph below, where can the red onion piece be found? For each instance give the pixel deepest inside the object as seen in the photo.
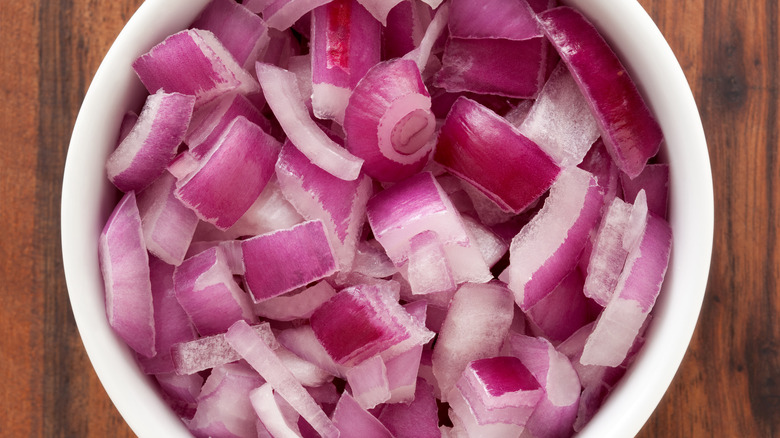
(417, 419)
(224, 408)
(316, 194)
(266, 257)
(281, 90)
(180, 392)
(345, 44)
(557, 410)
(471, 140)
(402, 369)
(608, 255)
(276, 415)
(654, 180)
(406, 24)
(475, 327)
(421, 53)
(379, 8)
(210, 121)
(195, 355)
(492, 19)
(564, 310)
(208, 293)
(263, 359)
(298, 305)
(428, 270)
(634, 296)
(282, 14)
(354, 421)
(368, 382)
(491, 246)
(549, 246)
(168, 225)
(232, 175)
(630, 132)
(371, 260)
(124, 263)
(171, 323)
(152, 143)
(193, 62)
(560, 121)
(388, 121)
(305, 372)
(303, 342)
(598, 162)
(386, 328)
(243, 33)
(256, 6)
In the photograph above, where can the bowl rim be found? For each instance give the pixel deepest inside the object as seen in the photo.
(631, 30)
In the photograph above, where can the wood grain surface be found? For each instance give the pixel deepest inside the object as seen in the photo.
(729, 382)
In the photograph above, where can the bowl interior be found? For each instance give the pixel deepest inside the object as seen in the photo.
(88, 198)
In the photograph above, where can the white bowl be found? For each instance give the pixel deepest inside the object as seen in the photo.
(88, 198)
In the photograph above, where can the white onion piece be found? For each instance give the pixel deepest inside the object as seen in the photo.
(354, 421)
(379, 8)
(281, 90)
(210, 68)
(298, 305)
(276, 415)
(560, 121)
(475, 327)
(124, 263)
(224, 408)
(316, 194)
(243, 33)
(282, 14)
(549, 246)
(168, 225)
(266, 257)
(371, 260)
(263, 359)
(368, 382)
(208, 293)
(231, 176)
(490, 245)
(151, 144)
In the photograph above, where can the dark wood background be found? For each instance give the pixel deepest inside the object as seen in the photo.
(729, 382)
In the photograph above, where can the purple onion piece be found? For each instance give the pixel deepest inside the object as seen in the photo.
(193, 62)
(549, 246)
(564, 311)
(316, 194)
(180, 392)
(167, 223)
(371, 260)
(354, 421)
(608, 255)
(417, 419)
(171, 323)
(298, 305)
(598, 162)
(124, 263)
(196, 355)
(491, 246)
(465, 421)
(421, 53)
(262, 358)
(654, 180)
(368, 382)
(232, 175)
(560, 121)
(281, 90)
(385, 327)
(388, 121)
(267, 257)
(151, 144)
(402, 369)
(630, 132)
(471, 140)
(282, 14)
(475, 327)
(276, 416)
(256, 6)
(243, 33)
(208, 293)
(428, 270)
(492, 19)
(303, 342)
(379, 8)
(406, 24)
(345, 44)
(305, 372)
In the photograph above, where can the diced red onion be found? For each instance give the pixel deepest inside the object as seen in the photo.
(402, 369)
(300, 65)
(630, 132)
(193, 356)
(598, 162)
(231, 176)
(276, 415)
(379, 8)
(406, 24)
(417, 419)
(654, 180)
(282, 14)
(124, 263)
(465, 423)
(152, 143)
(371, 260)
(242, 32)
(316, 194)
(475, 327)
(470, 142)
(354, 421)
(281, 90)
(305, 372)
(262, 358)
(345, 44)
(256, 6)
(428, 270)
(368, 382)
(193, 62)
(608, 255)
(303, 342)
(564, 310)
(128, 121)
(299, 305)
(180, 392)
(208, 293)
(549, 246)
(266, 257)
(388, 121)
(560, 121)
(490, 245)
(421, 53)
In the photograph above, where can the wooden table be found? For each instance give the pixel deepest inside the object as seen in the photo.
(729, 383)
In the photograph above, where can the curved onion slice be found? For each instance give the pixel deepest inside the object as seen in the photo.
(629, 130)
(282, 14)
(243, 33)
(281, 91)
(389, 122)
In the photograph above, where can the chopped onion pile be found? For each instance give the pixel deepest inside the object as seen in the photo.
(406, 218)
